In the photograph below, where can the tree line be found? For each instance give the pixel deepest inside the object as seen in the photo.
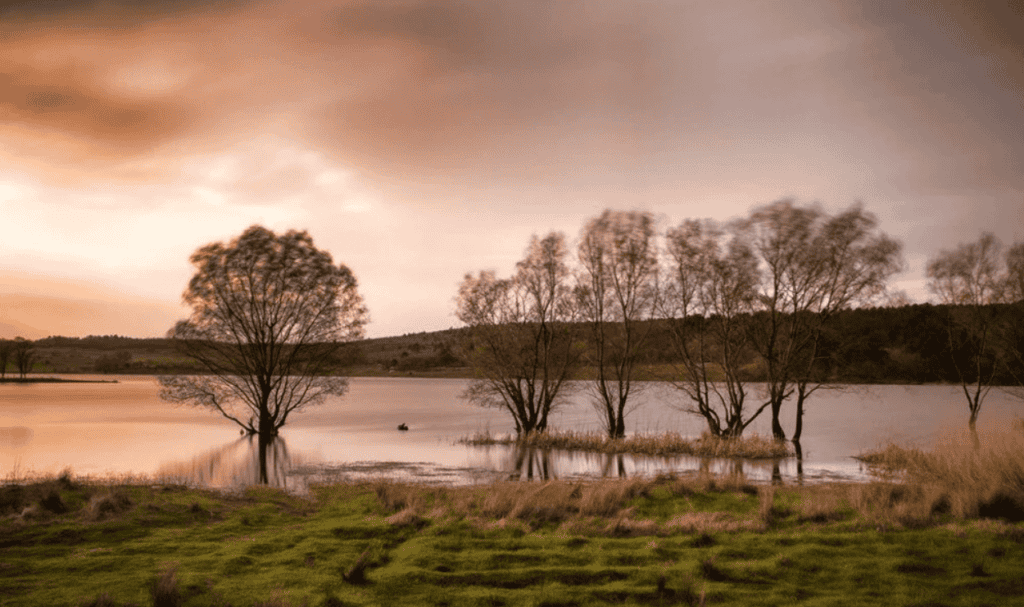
(778, 297)
(767, 298)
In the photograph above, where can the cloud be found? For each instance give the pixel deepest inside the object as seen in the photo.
(396, 88)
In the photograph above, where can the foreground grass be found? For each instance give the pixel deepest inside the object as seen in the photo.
(666, 444)
(689, 541)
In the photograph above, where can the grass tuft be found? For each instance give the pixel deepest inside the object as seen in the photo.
(108, 503)
(669, 443)
(356, 574)
(709, 570)
(164, 590)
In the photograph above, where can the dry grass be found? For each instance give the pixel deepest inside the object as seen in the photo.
(823, 504)
(597, 508)
(707, 524)
(891, 460)
(669, 443)
(108, 503)
(956, 477)
(502, 503)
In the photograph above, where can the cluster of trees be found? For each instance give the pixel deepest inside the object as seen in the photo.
(759, 298)
(19, 352)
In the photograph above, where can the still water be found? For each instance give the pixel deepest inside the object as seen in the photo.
(124, 428)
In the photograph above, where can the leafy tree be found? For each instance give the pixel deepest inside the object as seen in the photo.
(23, 356)
(812, 266)
(618, 292)
(709, 291)
(970, 279)
(6, 347)
(113, 361)
(268, 313)
(522, 340)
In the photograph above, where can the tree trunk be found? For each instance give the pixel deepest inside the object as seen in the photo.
(801, 395)
(777, 432)
(972, 423)
(264, 477)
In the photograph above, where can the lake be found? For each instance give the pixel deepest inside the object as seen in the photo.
(124, 429)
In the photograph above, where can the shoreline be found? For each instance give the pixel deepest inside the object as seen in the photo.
(56, 380)
(436, 373)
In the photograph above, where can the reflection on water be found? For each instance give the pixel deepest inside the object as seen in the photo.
(246, 461)
(249, 461)
(14, 437)
(522, 462)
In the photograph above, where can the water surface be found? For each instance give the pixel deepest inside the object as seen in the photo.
(125, 429)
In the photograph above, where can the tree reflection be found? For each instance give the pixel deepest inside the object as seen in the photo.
(250, 460)
(530, 463)
(616, 460)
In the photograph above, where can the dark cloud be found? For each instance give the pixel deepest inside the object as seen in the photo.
(397, 88)
(97, 12)
(64, 101)
(496, 91)
(490, 86)
(943, 83)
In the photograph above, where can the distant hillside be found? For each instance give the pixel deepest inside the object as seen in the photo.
(872, 345)
(414, 352)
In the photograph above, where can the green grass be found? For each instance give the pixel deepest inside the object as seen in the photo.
(664, 541)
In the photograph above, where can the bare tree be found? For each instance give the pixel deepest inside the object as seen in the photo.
(812, 266)
(617, 291)
(268, 313)
(969, 279)
(24, 356)
(523, 342)
(708, 295)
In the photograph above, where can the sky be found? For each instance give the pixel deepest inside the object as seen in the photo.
(418, 140)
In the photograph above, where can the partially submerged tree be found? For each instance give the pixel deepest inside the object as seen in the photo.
(617, 292)
(708, 295)
(523, 342)
(812, 266)
(268, 313)
(970, 280)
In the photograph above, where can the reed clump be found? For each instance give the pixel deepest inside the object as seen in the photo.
(959, 476)
(751, 446)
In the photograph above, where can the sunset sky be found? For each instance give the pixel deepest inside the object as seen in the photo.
(420, 140)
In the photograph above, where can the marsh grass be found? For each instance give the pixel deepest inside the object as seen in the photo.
(752, 446)
(692, 540)
(957, 476)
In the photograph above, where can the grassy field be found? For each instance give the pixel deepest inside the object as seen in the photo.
(944, 529)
